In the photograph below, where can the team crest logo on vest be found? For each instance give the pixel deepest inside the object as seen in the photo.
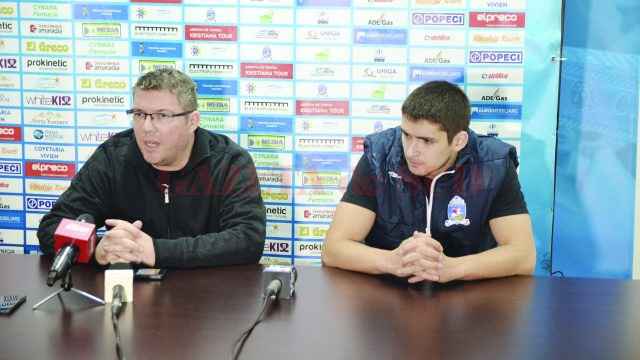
(457, 212)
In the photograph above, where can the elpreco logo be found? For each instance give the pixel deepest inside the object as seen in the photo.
(50, 169)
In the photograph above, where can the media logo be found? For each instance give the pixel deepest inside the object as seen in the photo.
(321, 178)
(146, 66)
(268, 142)
(214, 104)
(496, 57)
(101, 30)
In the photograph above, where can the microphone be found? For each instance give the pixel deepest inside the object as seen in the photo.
(278, 281)
(74, 240)
(118, 286)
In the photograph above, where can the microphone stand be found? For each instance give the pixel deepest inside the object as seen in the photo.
(66, 283)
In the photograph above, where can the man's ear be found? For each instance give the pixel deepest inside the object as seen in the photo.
(460, 140)
(195, 120)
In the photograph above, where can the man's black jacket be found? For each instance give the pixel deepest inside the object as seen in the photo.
(210, 213)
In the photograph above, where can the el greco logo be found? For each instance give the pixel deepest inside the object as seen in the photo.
(5, 10)
(447, 19)
(39, 203)
(46, 47)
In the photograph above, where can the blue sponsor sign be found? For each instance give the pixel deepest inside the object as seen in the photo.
(447, 19)
(344, 3)
(156, 49)
(39, 203)
(496, 111)
(216, 87)
(12, 219)
(424, 74)
(10, 168)
(266, 123)
(322, 161)
(100, 12)
(496, 57)
(380, 36)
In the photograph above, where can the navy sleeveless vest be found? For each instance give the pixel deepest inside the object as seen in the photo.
(459, 216)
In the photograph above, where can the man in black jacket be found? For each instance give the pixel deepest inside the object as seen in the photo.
(170, 193)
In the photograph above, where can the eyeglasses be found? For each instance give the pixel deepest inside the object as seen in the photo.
(156, 118)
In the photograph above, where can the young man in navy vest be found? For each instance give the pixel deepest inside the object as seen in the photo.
(431, 200)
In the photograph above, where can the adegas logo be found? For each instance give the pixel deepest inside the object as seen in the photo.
(40, 203)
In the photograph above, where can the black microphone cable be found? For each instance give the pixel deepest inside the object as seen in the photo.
(272, 290)
(116, 305)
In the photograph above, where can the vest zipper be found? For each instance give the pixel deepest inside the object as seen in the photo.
(166, 207)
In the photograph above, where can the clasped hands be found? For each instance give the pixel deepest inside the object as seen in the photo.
(419, 257)
(125, 242)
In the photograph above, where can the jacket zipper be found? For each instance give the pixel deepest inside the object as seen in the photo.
(166, 207)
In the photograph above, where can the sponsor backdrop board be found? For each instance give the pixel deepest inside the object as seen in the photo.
(297, 83)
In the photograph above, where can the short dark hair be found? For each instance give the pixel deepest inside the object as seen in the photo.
(441, 103)
(172, 80)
